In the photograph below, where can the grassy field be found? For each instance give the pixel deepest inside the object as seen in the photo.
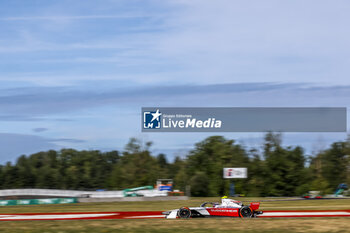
(191, 225)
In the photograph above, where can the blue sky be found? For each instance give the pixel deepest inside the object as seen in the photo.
(76, 73)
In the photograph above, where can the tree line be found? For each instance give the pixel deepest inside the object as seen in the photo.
(275, 170)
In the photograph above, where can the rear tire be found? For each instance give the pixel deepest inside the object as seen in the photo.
(184, 212)
(246, 212)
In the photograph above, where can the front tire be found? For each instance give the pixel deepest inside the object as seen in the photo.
(184, 212)
(246, 212)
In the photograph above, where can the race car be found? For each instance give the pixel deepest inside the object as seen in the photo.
(227, 208)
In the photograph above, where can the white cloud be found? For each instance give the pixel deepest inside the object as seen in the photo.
(73, 17)
(196, 42)
(249, 40)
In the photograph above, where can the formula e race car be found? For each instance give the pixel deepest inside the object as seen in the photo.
(227, 208)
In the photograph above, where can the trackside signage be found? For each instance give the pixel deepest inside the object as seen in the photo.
(235, 172)
(161, 119)
(38, 201)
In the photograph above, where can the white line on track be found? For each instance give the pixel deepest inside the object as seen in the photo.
(285, 214)
(147, 216)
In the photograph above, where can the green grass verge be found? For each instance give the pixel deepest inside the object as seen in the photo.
(192, 225)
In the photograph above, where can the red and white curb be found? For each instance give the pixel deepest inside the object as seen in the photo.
(158, 214)
(53, 217)
(82, 216)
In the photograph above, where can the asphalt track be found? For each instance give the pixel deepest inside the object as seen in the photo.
(158, 214)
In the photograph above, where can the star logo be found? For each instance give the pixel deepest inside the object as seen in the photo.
(156, 115)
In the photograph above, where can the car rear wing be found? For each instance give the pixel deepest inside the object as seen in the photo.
(254, 205)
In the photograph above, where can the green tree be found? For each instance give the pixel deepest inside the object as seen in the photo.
(211, 156)
(199, 183)
(284, 168)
